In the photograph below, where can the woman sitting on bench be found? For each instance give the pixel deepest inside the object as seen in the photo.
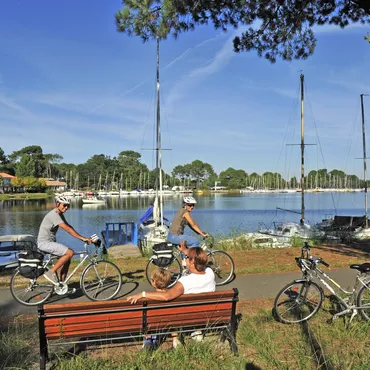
(200, 280)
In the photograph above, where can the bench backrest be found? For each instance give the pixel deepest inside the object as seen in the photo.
(212, 310)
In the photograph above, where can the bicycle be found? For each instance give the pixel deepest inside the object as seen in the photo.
(219, 261)
(100, 280)
(301, 299)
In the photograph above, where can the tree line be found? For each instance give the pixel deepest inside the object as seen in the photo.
(126, 171)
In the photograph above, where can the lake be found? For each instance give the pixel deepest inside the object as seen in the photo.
(216, 213)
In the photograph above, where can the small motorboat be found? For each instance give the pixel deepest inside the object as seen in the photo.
(93, 200)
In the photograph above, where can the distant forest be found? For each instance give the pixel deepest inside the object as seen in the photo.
(126, 171)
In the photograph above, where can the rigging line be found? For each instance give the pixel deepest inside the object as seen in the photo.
(146, 122)
(288, 125)
(319, 142)
(167, 126)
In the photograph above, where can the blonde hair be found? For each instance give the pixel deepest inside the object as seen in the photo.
(200, 258)
(161, 278)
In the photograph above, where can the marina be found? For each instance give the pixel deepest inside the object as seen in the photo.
(220, 214)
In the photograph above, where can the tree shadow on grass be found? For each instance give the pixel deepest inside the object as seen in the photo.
(360, 249)
(318, 355)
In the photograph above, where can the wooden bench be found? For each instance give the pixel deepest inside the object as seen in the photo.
(107, 321)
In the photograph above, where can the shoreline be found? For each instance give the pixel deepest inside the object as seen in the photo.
(36, 196)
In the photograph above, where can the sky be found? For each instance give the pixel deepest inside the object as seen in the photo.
(72, 84)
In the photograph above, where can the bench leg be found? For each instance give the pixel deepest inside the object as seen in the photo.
(43, 342)
(231, 337)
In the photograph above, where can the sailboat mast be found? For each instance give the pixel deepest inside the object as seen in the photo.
(364, 149)
(159, 146)
(302, 147)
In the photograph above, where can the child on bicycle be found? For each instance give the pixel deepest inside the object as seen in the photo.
(160, 280)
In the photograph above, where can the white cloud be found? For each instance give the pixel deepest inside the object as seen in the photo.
(221, 58)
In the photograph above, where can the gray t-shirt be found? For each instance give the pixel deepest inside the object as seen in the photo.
(49, 227)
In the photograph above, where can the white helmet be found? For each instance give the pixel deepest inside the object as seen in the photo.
(190, 200)
(62, 199)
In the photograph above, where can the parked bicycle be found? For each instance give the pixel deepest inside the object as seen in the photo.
(169, 258)
(100, 280)
(301, 299)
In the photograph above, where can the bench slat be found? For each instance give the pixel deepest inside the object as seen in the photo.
(94, 332)
(179, 310)
(107, 325)
(92, 319)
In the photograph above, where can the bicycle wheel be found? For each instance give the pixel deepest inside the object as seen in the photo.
(298, 301)
(174, 268)
(363, 301)
(30, 292)
(222, 265)
(101, 281)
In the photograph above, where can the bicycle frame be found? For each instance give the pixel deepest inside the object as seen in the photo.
(87, 256)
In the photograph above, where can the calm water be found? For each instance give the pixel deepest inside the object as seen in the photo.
(216, 213)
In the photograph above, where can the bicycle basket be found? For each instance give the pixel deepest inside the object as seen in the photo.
(30, 264)
(162, 254)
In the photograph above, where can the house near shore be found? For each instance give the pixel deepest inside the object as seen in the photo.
(55, 185)
(5, 178)
(5, 182)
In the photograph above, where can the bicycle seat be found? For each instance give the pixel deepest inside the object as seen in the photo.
(365, 267)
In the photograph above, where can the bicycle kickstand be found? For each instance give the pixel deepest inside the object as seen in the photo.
(354, 313)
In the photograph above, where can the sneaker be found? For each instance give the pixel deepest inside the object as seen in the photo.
(52, 277)
(147, 345)
(197, 336)
(71, 291)
(176, 343)
(155, 342)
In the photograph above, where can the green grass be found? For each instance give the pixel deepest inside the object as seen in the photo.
(263, 344)
(203, 355)
(25, 196)
(19, 343)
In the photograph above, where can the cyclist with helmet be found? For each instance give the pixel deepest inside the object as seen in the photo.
(46, 239)
(180, 221)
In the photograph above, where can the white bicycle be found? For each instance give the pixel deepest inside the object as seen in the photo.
(100, 280)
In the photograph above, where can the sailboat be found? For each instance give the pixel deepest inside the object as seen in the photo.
(287, 230)
(351, 227)
(153, 226)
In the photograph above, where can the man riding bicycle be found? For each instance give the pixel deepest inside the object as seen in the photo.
(46, 239)
(180, 221)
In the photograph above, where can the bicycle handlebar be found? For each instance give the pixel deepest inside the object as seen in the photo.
(324, 263)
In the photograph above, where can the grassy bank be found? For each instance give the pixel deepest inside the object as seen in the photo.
(264, 344)
(25, 196)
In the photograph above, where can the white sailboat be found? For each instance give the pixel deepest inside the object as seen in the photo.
(287, 230)
(351, 227)
(153, 226)
(282, 233)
